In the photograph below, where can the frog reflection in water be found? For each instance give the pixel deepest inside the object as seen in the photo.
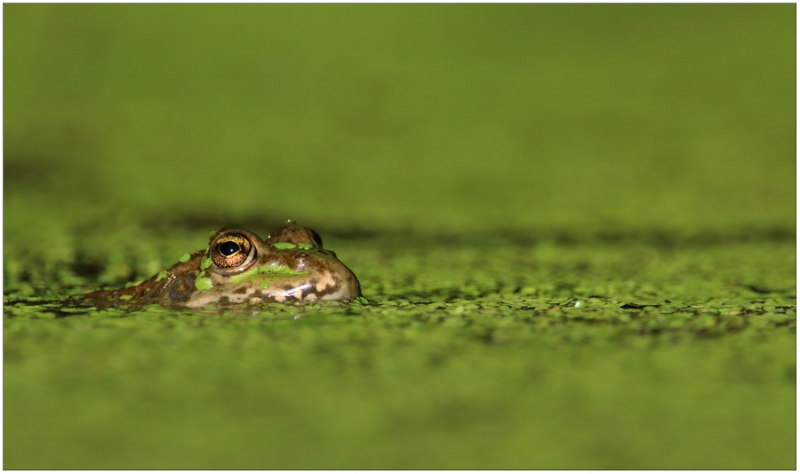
(239, 267)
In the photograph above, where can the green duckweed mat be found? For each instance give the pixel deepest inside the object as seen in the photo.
(574, 227)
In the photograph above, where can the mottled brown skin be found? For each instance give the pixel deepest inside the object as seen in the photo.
(295, 234)
(257, 271)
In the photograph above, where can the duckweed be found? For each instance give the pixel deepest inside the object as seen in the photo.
(203, 283)
(446, 337)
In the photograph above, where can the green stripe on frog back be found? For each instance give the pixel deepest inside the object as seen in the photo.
(268, 272)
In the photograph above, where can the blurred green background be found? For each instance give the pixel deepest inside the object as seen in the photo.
(402, 131)
(394, 116)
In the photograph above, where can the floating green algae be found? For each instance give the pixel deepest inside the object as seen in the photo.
(203, 283)
(680, 343)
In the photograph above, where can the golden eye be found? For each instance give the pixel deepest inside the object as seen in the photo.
(233, 252)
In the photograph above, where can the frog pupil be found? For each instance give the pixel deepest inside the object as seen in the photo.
(228, 248)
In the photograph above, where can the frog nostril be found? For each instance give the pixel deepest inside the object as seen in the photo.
(228, 248)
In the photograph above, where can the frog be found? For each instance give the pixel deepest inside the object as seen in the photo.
(238, 267)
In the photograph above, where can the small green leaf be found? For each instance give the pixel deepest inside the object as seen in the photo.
(203, 284)
(161, 275)
(304, 245)
(205, 263)
(185, 258)
(284, 245)
(264, 285)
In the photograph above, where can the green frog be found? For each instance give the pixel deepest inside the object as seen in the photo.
(239, 267)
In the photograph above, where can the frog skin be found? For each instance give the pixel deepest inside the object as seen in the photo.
(240, 267)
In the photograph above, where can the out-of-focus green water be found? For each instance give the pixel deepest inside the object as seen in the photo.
(481, 168)
(422, 116)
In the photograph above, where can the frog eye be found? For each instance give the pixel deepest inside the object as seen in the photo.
(316, 238)
(228, 248)
(233, 252)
